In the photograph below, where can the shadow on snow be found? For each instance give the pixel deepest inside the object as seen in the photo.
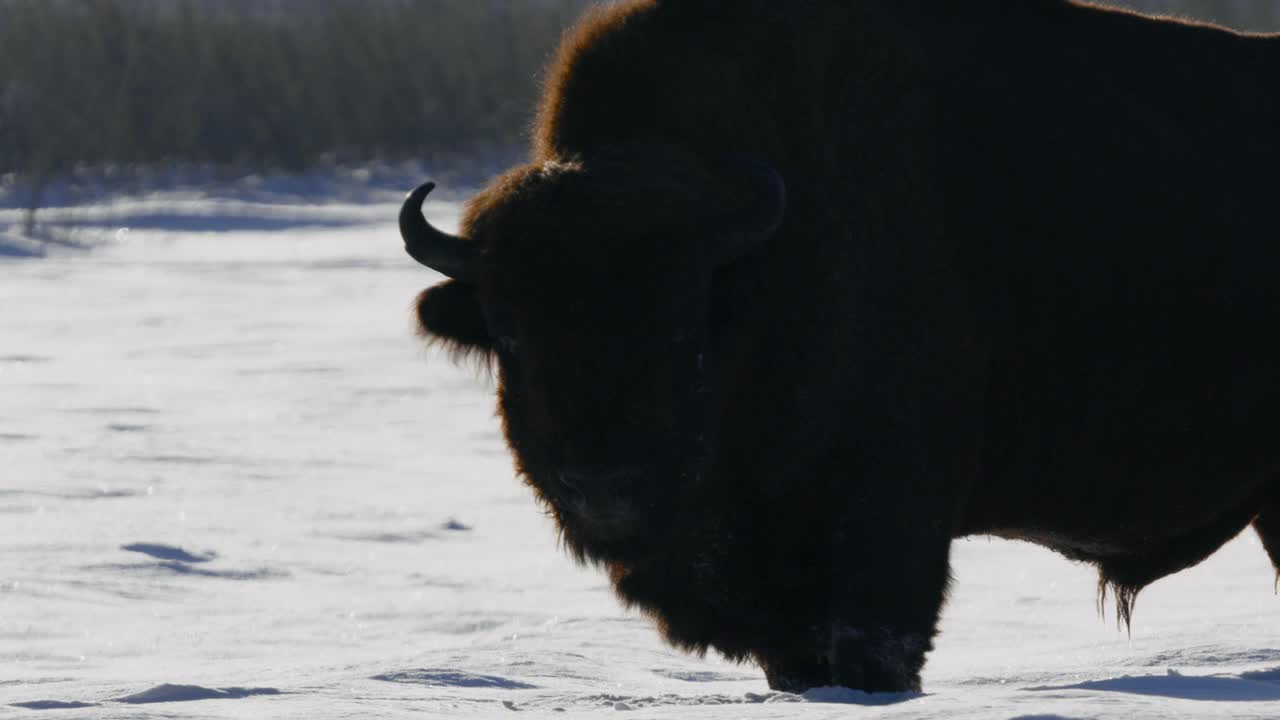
(1256, 686)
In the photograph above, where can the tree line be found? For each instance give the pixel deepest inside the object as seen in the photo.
(285, 84)
(266, 84)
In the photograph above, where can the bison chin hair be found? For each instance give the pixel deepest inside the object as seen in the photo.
(450, 316)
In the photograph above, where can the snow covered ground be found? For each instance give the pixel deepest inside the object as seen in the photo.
(233, 485)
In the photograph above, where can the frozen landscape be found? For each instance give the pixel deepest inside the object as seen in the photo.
(233, 484)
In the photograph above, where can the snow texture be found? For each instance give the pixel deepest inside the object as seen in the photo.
(233, 484)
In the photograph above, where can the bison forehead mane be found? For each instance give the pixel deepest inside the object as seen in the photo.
(630, 204)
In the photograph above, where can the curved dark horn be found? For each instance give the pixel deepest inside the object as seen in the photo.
(762, 217)
(447, 254)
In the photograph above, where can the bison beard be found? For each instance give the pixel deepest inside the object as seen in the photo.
(793, 294)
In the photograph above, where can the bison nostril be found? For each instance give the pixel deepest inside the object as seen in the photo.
(616, 484)
(564, 480)
(573, 483)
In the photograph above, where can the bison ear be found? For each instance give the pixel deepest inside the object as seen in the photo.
(450, 313)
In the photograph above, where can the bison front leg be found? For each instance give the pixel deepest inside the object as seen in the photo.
(880, 624)
(886, 614)
(900, 485)
(893, 488)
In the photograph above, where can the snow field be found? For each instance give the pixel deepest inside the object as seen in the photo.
(233, 485)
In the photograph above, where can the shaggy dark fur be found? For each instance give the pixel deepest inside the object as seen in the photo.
(1026, 286)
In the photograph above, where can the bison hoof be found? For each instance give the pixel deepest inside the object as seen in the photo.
(796, 677)
(871, 682)
(877, 662)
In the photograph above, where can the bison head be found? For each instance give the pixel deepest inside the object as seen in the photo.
(612, 295)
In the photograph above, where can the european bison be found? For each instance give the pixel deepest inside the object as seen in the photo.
(791, 294)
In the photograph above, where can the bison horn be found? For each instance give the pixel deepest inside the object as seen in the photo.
(749, 230)
(447, 254)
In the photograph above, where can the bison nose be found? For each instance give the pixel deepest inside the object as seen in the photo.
(597, 493)
(603, 503)
(571, 484)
